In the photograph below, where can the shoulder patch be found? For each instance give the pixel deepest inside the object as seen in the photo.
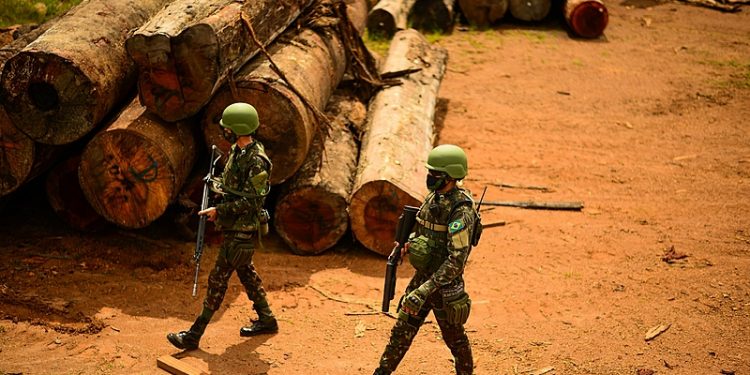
(456, 226)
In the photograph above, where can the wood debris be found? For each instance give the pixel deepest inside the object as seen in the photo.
(671, 256)
(656, 331)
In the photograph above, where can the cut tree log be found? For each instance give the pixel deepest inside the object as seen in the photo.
(314, 64)
(432, 15)
(61, 86)
(587, 18)
(388, 17)
(529, 10)
(310, 214)
(132, 170)
(483, 13)
(189, 49)
(66, 198)
(21, 159)
(357, 12)
(399, 134)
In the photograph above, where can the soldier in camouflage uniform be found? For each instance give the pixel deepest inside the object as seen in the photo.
(438, 250)
(244, 185)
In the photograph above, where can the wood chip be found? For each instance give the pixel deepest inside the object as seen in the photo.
(543, 371)
(656, 331)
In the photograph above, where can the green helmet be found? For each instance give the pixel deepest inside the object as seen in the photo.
(450, 159)
(241, 118)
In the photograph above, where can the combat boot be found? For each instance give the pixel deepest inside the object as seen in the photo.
(185, 340)
(266, 322)
(260, 327)
(189, 340)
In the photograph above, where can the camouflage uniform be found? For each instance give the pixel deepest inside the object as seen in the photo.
(245, 183)
(446, 221)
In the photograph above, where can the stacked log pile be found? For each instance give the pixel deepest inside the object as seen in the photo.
(191, 47)
(72, 87)
(314, 63)
(586, 18)
(399, 134)
(63, 84)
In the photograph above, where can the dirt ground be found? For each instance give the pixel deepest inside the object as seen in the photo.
(647, 126)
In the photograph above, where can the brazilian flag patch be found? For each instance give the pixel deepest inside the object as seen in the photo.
(456, 226)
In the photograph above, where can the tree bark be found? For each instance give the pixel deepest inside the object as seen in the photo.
(398, 136)
(483, 13)
(388, 17)
(529, 10)
(66, 198)
(310, 214)
(135, 167)
(432, 15)
(357, 12)
(21, 159)
(314, 63)
(587, 18)
(191, 47)
(60, 86)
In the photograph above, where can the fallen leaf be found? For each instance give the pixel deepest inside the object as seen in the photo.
(359, 329)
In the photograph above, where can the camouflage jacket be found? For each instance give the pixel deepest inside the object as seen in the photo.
(245, 183)
(447, 221)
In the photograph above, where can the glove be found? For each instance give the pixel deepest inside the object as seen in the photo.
(414, 301)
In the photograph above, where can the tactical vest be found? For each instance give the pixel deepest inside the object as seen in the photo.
(428, 249)
(236, 185)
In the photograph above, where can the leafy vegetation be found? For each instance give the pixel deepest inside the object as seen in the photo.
(13, 12)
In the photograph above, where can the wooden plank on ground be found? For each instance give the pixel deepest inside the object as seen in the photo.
(174, 366)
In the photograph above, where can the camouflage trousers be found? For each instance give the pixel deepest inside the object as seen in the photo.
(404, 331)
(235, 254)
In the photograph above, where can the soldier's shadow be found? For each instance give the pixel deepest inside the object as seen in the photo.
(241, 359)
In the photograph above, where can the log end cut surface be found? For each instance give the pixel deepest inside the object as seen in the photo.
(374, 211)
(588, 19)
(529, 10)
(381, 24)
(126, 178)
(48, 97)
(16, 155)
(311, 220)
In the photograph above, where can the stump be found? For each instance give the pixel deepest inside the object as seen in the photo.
(135, 167)
(432, 15)
(388, 17)
(66, 198)
(398, 136)
(587, 18)
(60, 86)
(529, 10)
(483, 13)
(314, 63)
(310, 214)
(190, 48)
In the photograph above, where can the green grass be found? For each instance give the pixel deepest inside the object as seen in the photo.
(739, 72)
(13, 12)
(375, 43)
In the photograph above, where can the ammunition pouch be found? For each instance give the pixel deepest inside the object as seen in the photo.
(420, 254)
(456, 303)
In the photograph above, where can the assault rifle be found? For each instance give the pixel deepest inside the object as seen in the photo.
(403, 230)
(201, 234)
